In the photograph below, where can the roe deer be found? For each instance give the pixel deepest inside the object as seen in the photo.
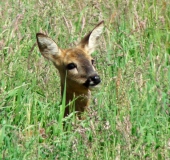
(75, 66)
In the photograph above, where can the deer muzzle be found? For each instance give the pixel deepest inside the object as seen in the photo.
(92, 81)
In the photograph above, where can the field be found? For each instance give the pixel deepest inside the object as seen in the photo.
(129, 115)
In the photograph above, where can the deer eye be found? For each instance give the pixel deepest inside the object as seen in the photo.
(71, 66)
(92, 61)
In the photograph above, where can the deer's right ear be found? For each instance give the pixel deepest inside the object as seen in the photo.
(47, 47)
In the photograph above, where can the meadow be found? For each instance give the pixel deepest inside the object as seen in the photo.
(129, 116)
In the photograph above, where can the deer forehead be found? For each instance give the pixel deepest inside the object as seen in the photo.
(76, 56)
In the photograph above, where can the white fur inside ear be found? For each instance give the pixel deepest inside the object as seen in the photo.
(48, 45)
(94, 37)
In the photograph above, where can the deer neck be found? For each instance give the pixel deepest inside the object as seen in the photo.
(76, 100)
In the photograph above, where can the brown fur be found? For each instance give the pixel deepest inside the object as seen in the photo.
(83, 72)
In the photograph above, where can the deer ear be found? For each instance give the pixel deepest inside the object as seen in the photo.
(47, 47)
(89, 42)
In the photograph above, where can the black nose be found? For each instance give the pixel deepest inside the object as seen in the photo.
(95, 79)
(92, 80)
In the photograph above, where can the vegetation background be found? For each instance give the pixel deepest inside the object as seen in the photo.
(130, 113)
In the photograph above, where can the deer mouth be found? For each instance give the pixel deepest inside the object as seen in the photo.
(92, 81)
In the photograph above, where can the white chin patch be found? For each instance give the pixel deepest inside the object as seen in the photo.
(94, 87)
(92, 83)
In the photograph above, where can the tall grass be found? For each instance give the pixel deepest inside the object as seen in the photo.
(129, 116)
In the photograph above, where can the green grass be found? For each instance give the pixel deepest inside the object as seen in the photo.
(130, 113)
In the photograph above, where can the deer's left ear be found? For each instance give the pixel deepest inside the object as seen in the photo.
(89, 42)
